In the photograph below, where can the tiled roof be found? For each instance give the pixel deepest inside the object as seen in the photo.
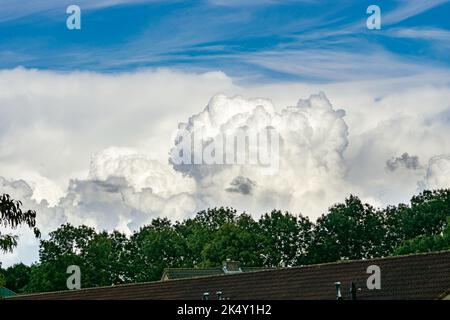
(421, 276)
(183, 273)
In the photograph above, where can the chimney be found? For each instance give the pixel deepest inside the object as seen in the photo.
(230, 266)
(338, 291)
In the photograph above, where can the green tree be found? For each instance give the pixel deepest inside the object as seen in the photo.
(12, 216)
(350, 230)
(213, 219)
(393, 217)
(100, 256)
(2, 279)
(200, 231)
(286, 237)
(52, 276)
(239, 240)
(426, 243)
(427, 214)
(155, 247)
(17, 277)
(104, 259)
(418, 224)
(66, 246)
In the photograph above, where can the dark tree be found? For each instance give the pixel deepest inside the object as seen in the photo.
(200, 231)
(155, 247)
(17, 277)
(350, 230)
(426, 243)
(287, 239)
(100, 256)
(240, 240)
(12, 216)
(427, 214)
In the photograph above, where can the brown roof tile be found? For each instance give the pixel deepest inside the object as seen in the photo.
(421, 276)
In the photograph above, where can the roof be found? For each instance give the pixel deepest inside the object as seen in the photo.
(5, 292)
(183, 273)
(420, 276)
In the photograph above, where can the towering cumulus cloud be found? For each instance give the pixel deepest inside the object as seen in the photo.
(295, 158)
(309, 168)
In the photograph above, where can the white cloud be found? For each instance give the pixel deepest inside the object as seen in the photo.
(438, 173)
(432, 34)
(52, 123)
(368, 62)
(48, 219)
(313, 138)
(57, 129)
(240, 3)
(124, 191)
(140, 171)
(410, 8)
(12, 10)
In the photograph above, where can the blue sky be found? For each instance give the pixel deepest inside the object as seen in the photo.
(249, 39)
(393, 84)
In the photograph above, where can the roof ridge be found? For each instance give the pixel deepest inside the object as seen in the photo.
(214, 268)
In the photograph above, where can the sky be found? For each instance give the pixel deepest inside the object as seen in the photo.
(268, 39)
(90, 118)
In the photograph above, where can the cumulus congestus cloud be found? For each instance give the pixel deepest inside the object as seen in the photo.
(125, 188)
(307, 163)
(323, 154)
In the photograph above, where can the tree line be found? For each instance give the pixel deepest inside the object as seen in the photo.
(349, 230)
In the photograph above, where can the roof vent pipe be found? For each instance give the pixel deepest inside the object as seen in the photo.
(338, 291)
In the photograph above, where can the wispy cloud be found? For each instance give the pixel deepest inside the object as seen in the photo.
(432, 34)
(13, 9)
(342, 65)
(410, 8)
(282, 38)
(233, 3)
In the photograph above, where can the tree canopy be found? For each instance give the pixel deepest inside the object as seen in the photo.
(349, 230)
(12, 216)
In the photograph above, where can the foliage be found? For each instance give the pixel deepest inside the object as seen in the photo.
(287, 239)
(16, 277)
(239, 240)
(2, 280)
(154, 248)
(12, 216)
(423, 243)
(100, 256)
(349, 230)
